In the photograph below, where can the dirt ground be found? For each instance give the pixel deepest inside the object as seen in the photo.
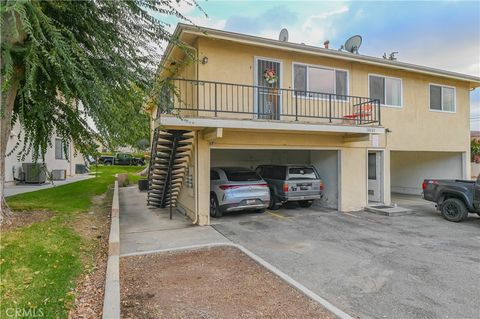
(94, 227)
(220, 282)
(24, 218)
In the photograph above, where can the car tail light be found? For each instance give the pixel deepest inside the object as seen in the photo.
(225, 187)
(285, 188)
(321, 186)
(424, 184)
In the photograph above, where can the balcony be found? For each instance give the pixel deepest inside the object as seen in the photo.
(190, 99)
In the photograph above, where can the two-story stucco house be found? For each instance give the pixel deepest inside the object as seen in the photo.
(371, 127)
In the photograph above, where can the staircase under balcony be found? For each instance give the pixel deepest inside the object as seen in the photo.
(170, 156)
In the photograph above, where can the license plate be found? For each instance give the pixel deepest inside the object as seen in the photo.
(304, 188)
(250, 201)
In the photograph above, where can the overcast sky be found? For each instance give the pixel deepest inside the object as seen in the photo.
(440, 34)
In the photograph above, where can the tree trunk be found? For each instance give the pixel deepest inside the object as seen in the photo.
(12, 33)
(8, 101)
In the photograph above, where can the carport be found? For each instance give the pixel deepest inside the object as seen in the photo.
(408, 169)
(326, 161)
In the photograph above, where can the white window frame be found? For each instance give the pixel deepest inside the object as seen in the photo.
(387, 77)
(320, 67)
(441, 96)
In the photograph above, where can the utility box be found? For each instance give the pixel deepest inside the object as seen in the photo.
(34, 172)
(143, 185)
(81, 169)
(59, 174)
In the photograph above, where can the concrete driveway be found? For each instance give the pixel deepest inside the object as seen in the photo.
(371, 266)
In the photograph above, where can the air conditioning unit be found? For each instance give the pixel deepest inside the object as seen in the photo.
(59, 174)
(34, 172)
(81, 169)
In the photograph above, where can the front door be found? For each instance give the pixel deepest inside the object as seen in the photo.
(267, 80)
(374, 176)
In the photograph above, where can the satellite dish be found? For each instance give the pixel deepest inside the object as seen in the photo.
(283, 36)
(353, 44)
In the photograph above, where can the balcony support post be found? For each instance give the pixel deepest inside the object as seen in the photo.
(330, 108)
(215, 100)
(296, 105)
(377, 102)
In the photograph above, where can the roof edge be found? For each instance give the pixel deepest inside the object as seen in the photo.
(255, 40)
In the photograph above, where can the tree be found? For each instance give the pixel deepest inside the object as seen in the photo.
(67, 62)
(475, 150)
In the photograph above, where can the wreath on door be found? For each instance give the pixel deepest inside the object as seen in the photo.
(270, 76)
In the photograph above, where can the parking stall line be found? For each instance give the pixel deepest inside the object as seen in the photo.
(277, 215)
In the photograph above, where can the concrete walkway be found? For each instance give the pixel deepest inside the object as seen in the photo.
(145, 229)
(12, 189)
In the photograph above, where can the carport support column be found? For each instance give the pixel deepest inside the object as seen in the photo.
(353, 174)
(387, 191)
(203, 181)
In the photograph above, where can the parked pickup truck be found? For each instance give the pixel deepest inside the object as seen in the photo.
(121, 159)
(454, 198)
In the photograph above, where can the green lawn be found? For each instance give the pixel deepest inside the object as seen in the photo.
(40, 263)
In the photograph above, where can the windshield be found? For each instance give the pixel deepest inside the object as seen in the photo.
(301, 173)
(242, 176)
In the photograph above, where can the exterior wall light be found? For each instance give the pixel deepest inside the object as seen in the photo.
(205, 60)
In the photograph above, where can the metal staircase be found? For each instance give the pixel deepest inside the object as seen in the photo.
(170, 155)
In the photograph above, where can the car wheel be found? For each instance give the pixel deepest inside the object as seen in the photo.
(261, 211)
(305, 203)
(454, 210)
(214, 208)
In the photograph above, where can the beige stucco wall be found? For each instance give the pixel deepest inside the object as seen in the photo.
(413, 127)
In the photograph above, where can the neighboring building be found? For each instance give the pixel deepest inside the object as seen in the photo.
(55, 158)
(370, 126)
(475, 135)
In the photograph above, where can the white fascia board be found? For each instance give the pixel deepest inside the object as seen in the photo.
(200, 123)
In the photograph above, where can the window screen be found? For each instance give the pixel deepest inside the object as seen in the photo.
(300, 78)
(448, 99)
(377, 88)
(341, 82)
(59, 151)
(393, 92)
(435, 97)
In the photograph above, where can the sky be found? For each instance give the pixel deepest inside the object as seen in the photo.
(440, 34)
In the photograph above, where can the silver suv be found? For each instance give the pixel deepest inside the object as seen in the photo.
(287, 183)
(236, 189)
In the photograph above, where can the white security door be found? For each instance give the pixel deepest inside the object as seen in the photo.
(267, 79)
(374, 177)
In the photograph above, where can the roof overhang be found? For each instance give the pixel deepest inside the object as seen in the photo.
(184, 29)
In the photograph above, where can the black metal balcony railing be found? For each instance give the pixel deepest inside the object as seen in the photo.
(228, 100)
